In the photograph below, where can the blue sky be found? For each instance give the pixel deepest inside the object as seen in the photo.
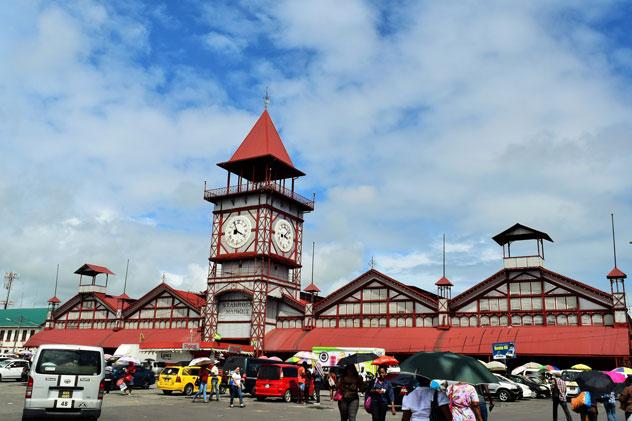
(411, 119)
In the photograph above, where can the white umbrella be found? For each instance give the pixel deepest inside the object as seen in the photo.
(306, 355)
(107, 357)
(275, 359)
(201, 361)
(496, 366)
(518, 370)
(126, 359)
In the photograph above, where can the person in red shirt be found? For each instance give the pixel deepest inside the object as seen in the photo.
(203, 383)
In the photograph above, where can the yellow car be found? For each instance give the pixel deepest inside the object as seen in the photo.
(179, 379)
(182, 379)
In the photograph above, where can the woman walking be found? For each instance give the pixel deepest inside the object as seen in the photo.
(350, 384)
(203, 379)
(332, 381)
(382, 396)
(235, 388)
(464, 402)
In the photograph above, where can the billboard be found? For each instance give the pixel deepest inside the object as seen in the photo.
(503, 350)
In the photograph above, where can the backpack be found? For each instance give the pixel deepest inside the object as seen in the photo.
(435, 412)
(581, 402)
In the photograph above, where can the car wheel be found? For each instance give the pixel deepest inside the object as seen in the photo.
(167, 392)
(504, 395)
(261, 398)
(287, 396)
(188, 389)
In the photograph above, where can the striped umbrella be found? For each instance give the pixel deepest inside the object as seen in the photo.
(624, 370)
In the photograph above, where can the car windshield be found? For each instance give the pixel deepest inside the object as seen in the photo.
(70, 362)
(518, 379)
(269, 372)
(4, 363)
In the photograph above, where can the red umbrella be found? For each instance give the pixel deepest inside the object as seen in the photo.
(385, 360)
(616, 376)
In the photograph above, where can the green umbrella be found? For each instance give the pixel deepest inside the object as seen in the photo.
(448, 366)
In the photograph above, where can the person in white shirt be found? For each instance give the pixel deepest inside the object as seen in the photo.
(416, 406)
(215, 382)
(236, 388)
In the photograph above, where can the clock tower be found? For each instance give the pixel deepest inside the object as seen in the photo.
(256, 241)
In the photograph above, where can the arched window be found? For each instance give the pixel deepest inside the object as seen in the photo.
(473, 321)
(485, 321)
(427, 321)
(608, 320)
(538, 320)
(562, 320)
(527, 320)
(504, 321)
(572, 320)
(342, 323)
(374, 323)
(597, 319)
(586, 320)
(409, 322)
(550, 320)
(516, 321)
(383, 322)
(465, 322)
(401, 322)
(456, 321)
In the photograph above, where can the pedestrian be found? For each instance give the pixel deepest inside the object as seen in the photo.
(484, 399)
(333, 382)
(464, 402)
(235, 388)
(625, 399)
(417, 405)
(350, 385)
(610, 405)
(558, 395)
(127, 378)
(382, 396)
(301, 382)
(203, 380)
(588, 412)
(214, 382)
(319, 376)
(308, 381)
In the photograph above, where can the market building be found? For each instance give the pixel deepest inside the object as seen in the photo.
(17, 325)
(255, 303)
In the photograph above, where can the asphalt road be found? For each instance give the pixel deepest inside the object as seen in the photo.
(153, 405)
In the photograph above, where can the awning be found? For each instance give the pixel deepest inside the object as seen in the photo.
(533, 340)
(108, 338)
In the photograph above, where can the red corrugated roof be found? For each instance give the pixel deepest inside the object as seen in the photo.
(114, 303)
(444, 282)
(90, 270)
(108, 338)
(616, 273)
(311, 288)
(535, 340)
(192, 298)
(263, 140)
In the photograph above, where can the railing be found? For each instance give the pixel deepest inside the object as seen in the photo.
(523, 262)
(255, 187)
(247, 274)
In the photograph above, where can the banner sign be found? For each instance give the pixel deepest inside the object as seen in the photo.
(193, 346)
(503, 350)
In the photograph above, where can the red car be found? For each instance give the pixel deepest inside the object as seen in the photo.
(279, 381)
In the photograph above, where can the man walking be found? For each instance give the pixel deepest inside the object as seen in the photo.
(215, 382)
(558, 394)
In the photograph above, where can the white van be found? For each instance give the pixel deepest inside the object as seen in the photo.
(65, 380)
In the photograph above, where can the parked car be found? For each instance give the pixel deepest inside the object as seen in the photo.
(279, 381)
(66, 380)
(248, 365)
(569, 377)
(539, 390)
(143, 377)
(526, 391)
(13, 369)
(182, 379)
(505, 391)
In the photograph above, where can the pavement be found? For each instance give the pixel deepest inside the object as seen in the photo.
(153, 405)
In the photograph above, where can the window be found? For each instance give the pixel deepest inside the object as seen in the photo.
(514, 288)
(550, 303)
(536, 287)
(525, 303)
(515, 303)
(527, 320)
(493, 321)
(9, 335)
(69, 362)
(572, 320)
(586, 320)
(516, 321)
(483, 304)
(571, 303)
(538, 320)
(536, 303)
(1, 335)
(374, 322)
(465, 322)
(484, 321)
(163, 313)
(550, 320)
(562, 320)
(147, 314)
(525, 288)
(342, 309)
(383, 322)
(597, 319)
(473, 321)
(24, 332)
(456, 321)
(608, 320)
(504, 321)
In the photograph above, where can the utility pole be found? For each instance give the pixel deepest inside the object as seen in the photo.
(9, 277)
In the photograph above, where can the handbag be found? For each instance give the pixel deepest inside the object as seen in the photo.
(338, 395)
(368, 404)
(581, 402)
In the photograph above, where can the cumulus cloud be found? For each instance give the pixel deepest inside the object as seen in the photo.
(410, 121)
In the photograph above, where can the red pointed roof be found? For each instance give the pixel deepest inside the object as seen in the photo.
(89, 269)
(616, 273)
(444, 282)
(262, 148)
(54, 300)
(311, 288)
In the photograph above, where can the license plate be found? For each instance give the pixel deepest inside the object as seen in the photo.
(65, 394)
(64, 403)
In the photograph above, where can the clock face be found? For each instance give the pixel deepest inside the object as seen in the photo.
(283, 235)
(237, 230)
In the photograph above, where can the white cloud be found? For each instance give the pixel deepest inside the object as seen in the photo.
(223, 43)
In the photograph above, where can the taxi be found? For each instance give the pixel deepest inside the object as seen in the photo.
(178, 379)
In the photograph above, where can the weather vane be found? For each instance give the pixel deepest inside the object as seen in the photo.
(372, 262)
(266, 99)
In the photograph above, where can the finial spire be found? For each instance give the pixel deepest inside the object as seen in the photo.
(266, 99)
(444, 255)
(372, 262)
(614, 244)
(125, 282)
(56, 279)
